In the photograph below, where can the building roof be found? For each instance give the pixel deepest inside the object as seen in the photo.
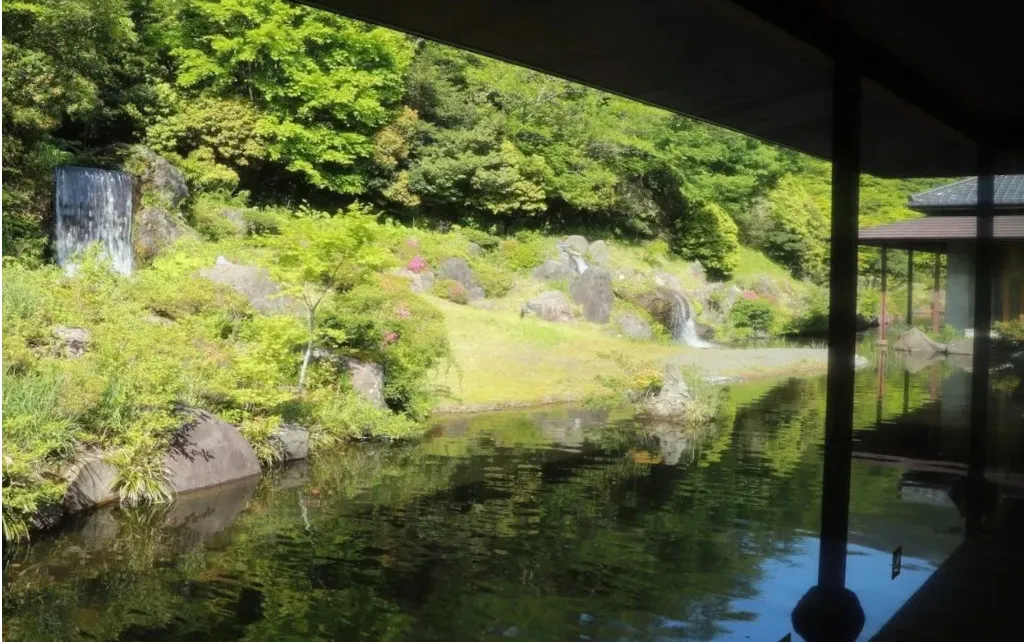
(766, 68)
(934, 233)
(963, 195)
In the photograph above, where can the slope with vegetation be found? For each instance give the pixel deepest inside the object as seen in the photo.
(311, 144)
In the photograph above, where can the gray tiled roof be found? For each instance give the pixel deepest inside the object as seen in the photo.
(942, 228)
(963, 194)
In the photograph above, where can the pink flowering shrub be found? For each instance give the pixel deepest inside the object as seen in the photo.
(390, 337)
(750, 295)
(416, 264)
(402, 311)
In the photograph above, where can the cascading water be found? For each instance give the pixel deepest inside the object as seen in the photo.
(578, 262)
(93, 206)
(683, 325)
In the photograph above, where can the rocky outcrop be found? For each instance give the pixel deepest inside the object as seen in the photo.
(550, 306)
(576, 243)
(234, 218)
(592, 291)
(157, 228)
(207, 451)
(553, 271)
(72, 342)
(674, 397)
(91, 483)
(598, 253)
(254, 284)
(456, 269)
(291, 441)
(474, 249)
(961, 346)
(367, 379)
(159, 180)
(913, 340)
(667, 281)
(419, 282)
(633, 326)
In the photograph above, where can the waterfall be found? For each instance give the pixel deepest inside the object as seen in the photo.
(683, 325)
(578, 263)
(93, 206)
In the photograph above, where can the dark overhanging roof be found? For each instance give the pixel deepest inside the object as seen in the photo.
(963, 195)
(937, 78)
(936, 233)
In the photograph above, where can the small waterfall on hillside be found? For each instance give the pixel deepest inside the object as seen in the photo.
(578, 263)
(93, 206)
(683, 325)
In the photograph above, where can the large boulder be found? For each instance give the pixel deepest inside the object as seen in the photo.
(72, 342)
(961, 347)
(577, 244)
(633, 326)
(553, 271)
(674, 397)
(254, 284)
(156, 228)
(598, 253)
(367, 379)
(456, 269)
(913, 340)
(291, 441)
(667, 281)
(91, 483)
(207, 451)
(419, 282)
(593, 292)
(550, 306)
(157, 176)
(474, 249)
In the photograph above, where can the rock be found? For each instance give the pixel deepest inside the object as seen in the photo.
(419, 283)
(633, 326)
(474, 249)
(91, 483)
(593, 291)
(207, 451)
(553, 271)
(235, 218)
(75, 340)
(599, 254)
(674, 397)
(157, 176)
(367, 379)
(664, 305)
(456, 269)
(156, 228)
(292, 441)
(577, 244)
(913, 340)
(550, 306)
(254, 284)
(669, 281)
(705, 332)
(960, 346)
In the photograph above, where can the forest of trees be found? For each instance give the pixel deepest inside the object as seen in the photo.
(286, 105)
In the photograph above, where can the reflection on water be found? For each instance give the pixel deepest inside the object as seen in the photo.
(542, 525)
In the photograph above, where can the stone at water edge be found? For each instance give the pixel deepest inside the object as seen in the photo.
(577, 243)
(553, 271)
(292, 441)
(550, 306)
(75, 341)
(474, 249)
(253, 283)
(674, 397)
(91, 483)
(593, 292)
(207, 451)
(632, 326)
(913, 340)
(458, 270)
(419, 283)
(598, 253)
(367, 379)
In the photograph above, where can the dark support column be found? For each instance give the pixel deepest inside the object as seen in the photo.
(936, 282)
(842, 327)
(910, 288)
(982, 328)
(884, 313)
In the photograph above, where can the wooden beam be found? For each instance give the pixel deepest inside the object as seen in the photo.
(910, 288)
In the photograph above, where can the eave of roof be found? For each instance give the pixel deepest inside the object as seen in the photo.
(963, 195)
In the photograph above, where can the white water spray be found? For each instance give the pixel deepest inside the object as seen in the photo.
(93, 206)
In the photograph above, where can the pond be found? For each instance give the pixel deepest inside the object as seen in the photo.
(551, 524)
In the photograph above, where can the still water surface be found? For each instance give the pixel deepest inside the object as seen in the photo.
(540, 525)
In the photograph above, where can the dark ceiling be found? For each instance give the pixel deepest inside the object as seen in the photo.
(936, 78)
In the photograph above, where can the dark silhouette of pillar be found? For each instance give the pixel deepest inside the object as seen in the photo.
(910, 288)
(936, 282)
(884, 313)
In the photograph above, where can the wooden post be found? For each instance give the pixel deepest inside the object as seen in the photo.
(935, 291)
(883, 319)
(910, 288)
(1004, 278)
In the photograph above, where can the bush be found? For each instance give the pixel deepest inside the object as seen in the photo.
(496, 281)
(263, 222)
(451, 290)
(523, 253)
(755, 315)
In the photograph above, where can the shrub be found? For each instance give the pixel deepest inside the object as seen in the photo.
(754, 315)
(416, 264)
(523, 253)
(263, 222)
(1009, 331)
(451, 290)
(495, 281)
